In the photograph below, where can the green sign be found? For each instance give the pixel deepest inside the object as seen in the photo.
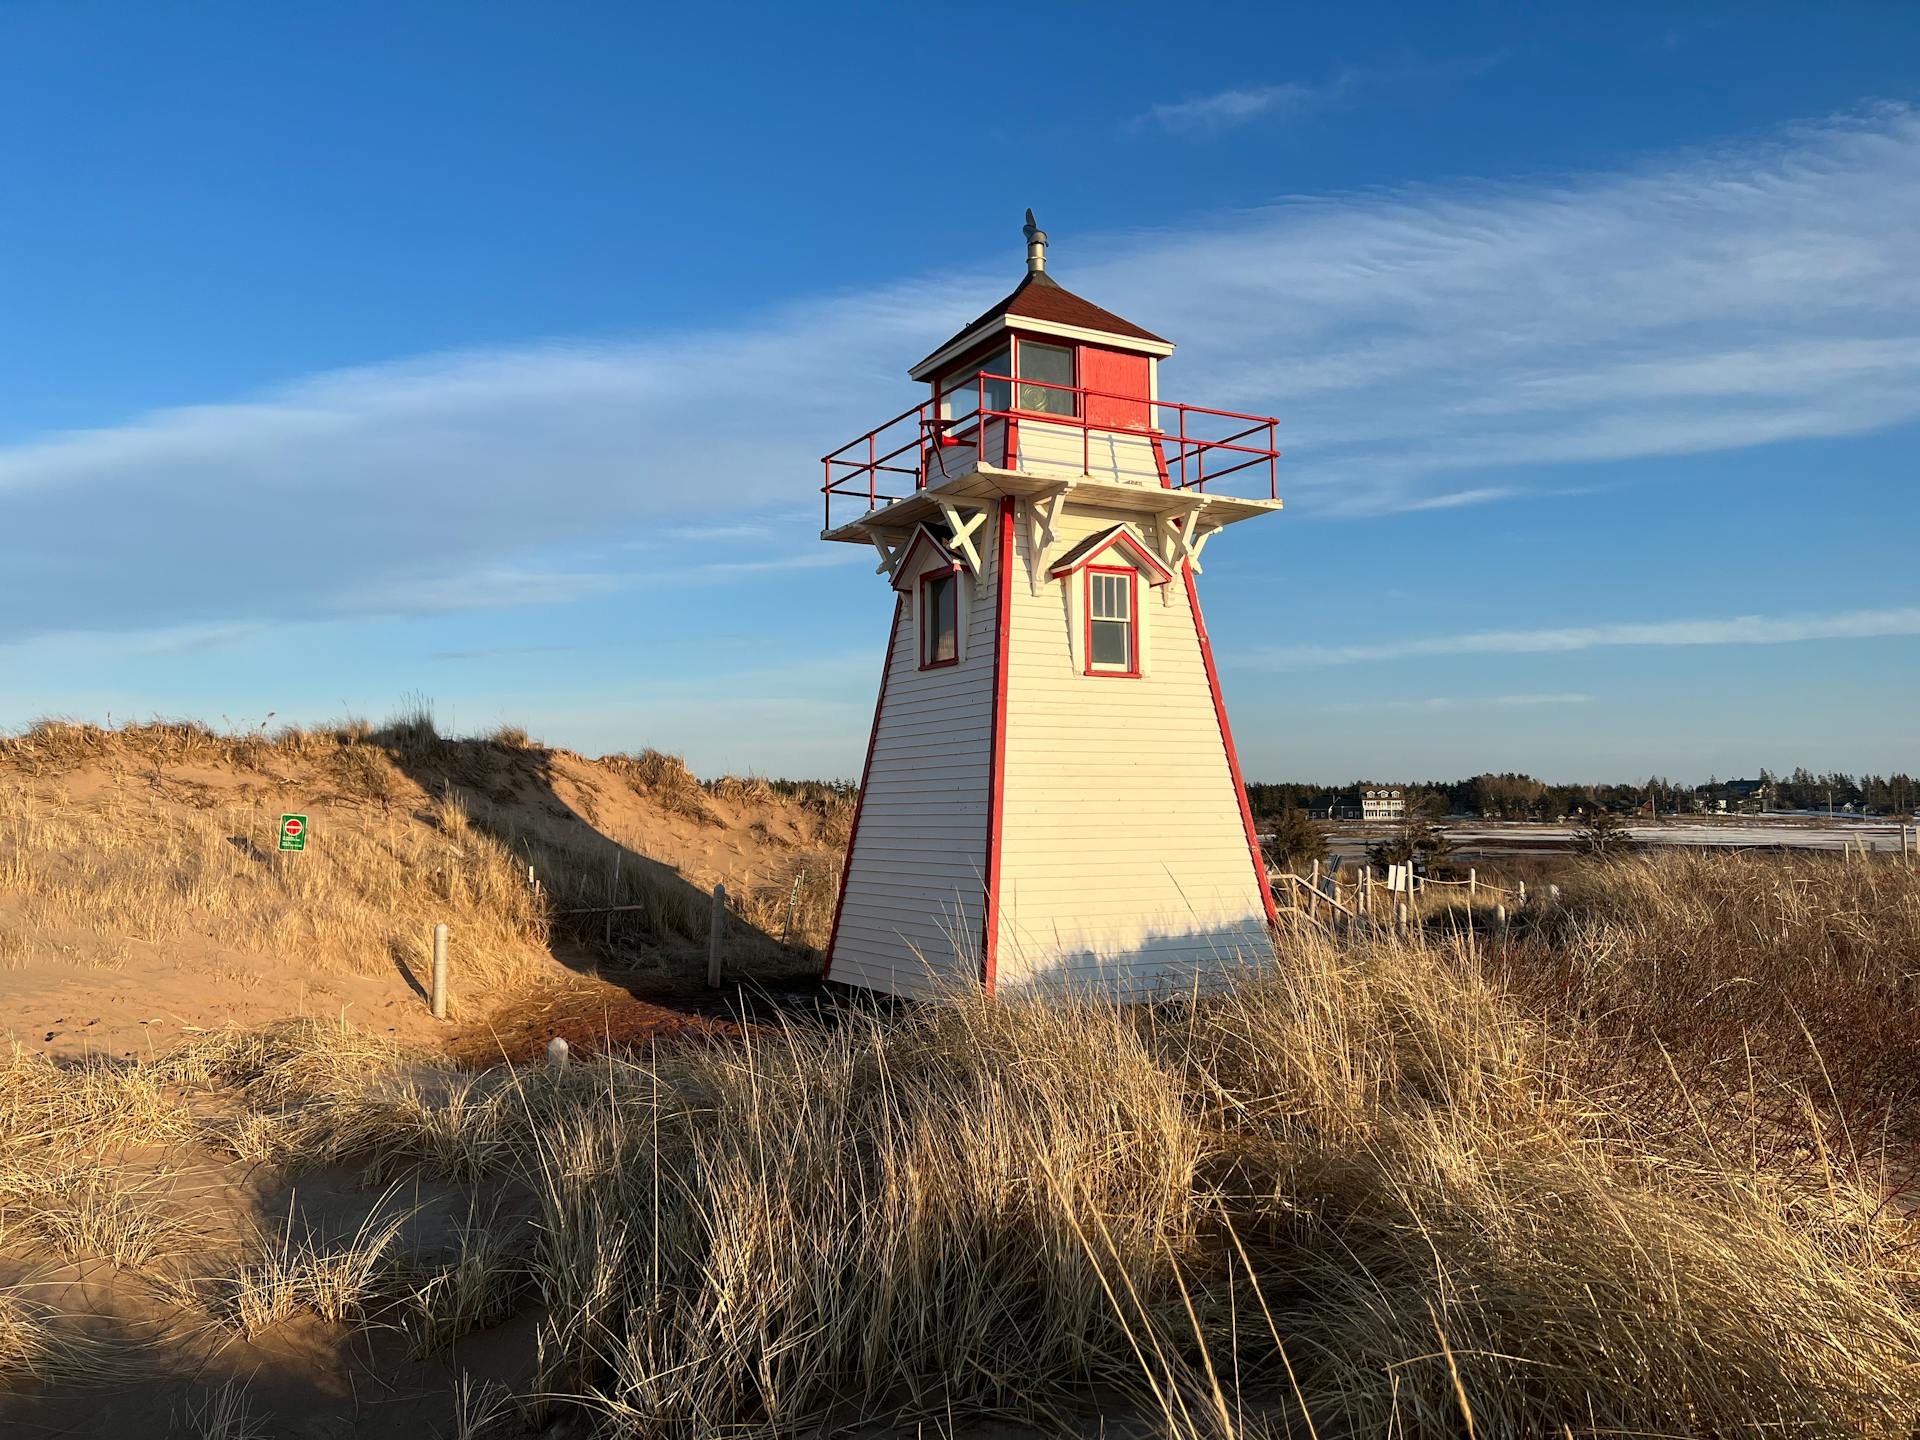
(293, 832)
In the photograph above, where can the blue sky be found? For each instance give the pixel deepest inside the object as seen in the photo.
(487, 352)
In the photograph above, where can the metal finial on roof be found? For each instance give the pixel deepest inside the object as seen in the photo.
(1036, 246)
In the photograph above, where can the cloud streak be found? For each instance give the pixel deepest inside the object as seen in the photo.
(1206, 114)
(1444, 704)
(1428, 348)
(1732, 630)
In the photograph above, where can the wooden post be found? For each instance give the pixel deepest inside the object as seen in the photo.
(715, 930)
(793, 899)
(1500, 915)
(1400, 916)
(613, 898)
(1473, 883)
(439, 997)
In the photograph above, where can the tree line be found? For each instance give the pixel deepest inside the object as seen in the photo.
(1515, 796)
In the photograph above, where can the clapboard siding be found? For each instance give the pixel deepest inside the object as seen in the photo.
(1124, 862)
(1052, 449)
(911, 919)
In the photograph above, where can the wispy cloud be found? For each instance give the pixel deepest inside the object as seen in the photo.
(1226, 108)
(1731, 630)
(1428, 348)
(1444, 704)
(1200, 116)
(500, 652)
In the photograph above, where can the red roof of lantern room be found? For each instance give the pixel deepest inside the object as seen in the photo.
(1042, 300)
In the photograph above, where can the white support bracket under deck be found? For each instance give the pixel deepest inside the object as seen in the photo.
(963, 534)
(890, 544)
(1043, 527)
(1183, 537)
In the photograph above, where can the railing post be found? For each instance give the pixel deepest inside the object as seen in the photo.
(873, 475)
(1273, 462)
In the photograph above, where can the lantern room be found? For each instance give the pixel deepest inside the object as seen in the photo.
(1051, 801)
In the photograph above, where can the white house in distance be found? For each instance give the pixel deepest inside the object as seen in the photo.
(1050, 799)
(1383, 805)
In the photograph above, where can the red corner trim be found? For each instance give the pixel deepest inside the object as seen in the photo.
(997, 790)
(1226, 739)
(866, 773)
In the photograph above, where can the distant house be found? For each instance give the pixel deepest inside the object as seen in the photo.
(1383, 805)
(1749, 796)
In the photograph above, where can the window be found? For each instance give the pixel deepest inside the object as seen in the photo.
(960, 391)
(1113, 620)
(1054, 365)
(940, 620)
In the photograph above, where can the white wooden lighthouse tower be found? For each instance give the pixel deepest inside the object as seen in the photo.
(1050, 800)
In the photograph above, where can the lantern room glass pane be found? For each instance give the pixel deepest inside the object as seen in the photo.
(960, 391)
(1053, 364)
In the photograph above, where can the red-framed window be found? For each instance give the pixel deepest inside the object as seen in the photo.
(1054, 364)
(940, 619)
(1113, 621)
(958, 391)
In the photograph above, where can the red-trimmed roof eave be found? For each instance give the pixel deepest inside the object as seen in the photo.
(1096, 544)
(1039, 297)
(921, 534)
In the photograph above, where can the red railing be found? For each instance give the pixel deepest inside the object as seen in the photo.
(878, 466)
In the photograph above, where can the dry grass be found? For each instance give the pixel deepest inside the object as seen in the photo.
(221, 1413)
(372, 892)
(1382, 1190)
(86, 1211)
(667, 781)
(1445, 1184)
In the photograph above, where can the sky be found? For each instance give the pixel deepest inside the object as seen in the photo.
(362, 352)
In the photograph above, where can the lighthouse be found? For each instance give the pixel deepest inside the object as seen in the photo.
(1050, 801)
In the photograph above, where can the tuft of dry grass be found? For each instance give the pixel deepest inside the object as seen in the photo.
(220, 1413)
(86, 1211)
(666, 780)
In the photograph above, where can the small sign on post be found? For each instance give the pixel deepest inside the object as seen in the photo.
(293, 832)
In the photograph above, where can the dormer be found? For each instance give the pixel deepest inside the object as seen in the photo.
(1101, 578)
(1037, 347)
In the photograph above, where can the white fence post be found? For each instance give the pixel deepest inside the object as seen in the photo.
(438, 1000)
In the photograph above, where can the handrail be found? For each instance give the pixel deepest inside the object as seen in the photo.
(1183, 455)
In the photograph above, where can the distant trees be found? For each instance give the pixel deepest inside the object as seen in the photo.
(1516, 796)
(1507, 797)
(1296, 840)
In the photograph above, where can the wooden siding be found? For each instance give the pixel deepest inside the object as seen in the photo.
(911, 919)
(1125, 867)
(1050, 448)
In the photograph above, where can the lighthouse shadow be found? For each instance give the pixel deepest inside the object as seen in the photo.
(613, 913)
